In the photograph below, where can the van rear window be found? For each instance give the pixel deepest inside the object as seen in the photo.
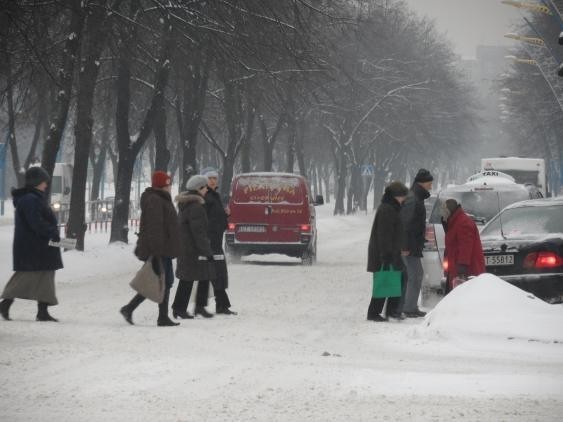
(268, 190)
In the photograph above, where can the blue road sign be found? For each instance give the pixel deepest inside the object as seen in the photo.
(367, 170)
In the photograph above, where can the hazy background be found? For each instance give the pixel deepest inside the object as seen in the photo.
(469, 23)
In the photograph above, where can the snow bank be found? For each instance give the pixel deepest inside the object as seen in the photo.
(489, 308)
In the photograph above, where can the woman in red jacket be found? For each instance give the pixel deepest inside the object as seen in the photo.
(464, 253)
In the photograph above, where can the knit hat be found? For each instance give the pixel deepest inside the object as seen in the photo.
(423, 176)
(211, 173)
(396, 189)
(34, 176)
(160, 179)
(196, 182)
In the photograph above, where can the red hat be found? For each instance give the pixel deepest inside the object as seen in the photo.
(160, 179)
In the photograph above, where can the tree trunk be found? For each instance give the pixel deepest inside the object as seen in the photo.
(95, 37)
(98, 166)
(127, 150)
(19, 172)
(299, 150)
(65, 84)
(189, 115)
(162, 155)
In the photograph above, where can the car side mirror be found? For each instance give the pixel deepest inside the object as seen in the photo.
(319, 200)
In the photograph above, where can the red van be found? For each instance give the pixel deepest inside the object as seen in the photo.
(272, 213)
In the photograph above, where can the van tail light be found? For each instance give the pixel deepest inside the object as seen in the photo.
(445, 265)
(543, 260)
(305, 227)
(231, 227)
(430, 238)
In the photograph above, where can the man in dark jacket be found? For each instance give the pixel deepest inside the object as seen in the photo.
(159, 239)
(413, 215)
(217, 217)
(385, 243)
(35, 262)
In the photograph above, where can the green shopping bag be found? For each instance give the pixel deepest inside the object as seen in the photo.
(387, 283)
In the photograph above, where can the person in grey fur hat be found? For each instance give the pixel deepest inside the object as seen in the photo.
(195, 245)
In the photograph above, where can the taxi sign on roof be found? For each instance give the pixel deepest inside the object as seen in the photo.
(490, 173)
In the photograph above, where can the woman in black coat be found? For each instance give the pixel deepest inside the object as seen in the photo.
(196, 254)
(35, 262)
(385, 245)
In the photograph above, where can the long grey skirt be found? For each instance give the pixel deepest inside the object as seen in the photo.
(32, 285)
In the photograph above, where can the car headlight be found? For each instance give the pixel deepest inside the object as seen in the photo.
(56, 206)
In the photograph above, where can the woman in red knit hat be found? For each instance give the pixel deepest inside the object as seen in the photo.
(159, 239)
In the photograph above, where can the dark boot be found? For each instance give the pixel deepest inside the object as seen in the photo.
(5, 308)
(375, 308)
(43, 314)
(200, 310)
(127, 310)
(163, 319)
(225, 311)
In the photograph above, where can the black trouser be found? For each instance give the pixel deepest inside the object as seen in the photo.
(222, 299)
(376, 306)
(162, 307)
(184, 292)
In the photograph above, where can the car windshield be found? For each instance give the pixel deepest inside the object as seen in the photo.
(481, 205)
(525, 222)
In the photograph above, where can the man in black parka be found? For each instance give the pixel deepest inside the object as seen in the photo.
(413, 215)
(217, 217)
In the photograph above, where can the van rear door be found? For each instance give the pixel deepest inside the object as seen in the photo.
(250, 209)
(288, 209)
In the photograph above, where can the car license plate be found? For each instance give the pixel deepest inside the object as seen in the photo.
(252, 229)
(496, 260)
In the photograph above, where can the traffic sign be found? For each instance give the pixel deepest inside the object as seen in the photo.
(367, 170)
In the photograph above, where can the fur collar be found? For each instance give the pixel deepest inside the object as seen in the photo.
(189, 197)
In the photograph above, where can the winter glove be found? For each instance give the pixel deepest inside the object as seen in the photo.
(55, 237)
(210, 258)
(462, 270)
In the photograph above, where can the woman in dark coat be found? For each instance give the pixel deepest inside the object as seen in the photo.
(217, 224)
(158, 239)
(385, 245)
(194, 262)
(35, 262)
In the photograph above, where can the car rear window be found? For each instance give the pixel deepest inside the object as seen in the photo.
(268, 190)
(481, 205)
(525, 221)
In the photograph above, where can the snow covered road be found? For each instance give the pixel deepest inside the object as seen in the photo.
(300, 349)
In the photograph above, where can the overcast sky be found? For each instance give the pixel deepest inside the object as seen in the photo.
(469, 23)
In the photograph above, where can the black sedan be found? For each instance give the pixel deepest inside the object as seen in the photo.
(523, 245)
